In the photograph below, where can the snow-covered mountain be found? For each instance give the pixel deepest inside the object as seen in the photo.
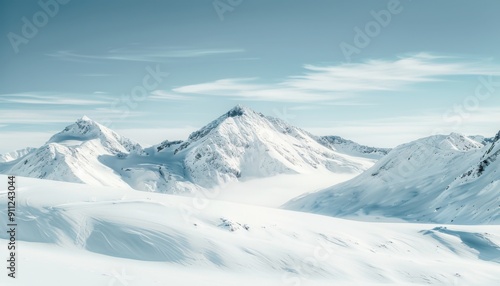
(241, 144)
(245, 144)
(446, 179)
(75, 155)
(14, 155)
(86, 130)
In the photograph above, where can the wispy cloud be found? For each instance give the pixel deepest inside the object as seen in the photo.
(35, 108)
(160, 95)
(376, 75)
(249, 89)
(45, 98)
(58, 115)
(142, 55)
(346, 80)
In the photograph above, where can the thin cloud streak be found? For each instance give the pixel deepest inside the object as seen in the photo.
(345, 81)
(153, 55)
(376, 75)
(247, 89)
(45, 98)
(161, 95)
(56, 115)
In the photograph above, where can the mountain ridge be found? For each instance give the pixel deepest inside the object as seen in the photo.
(238, 145)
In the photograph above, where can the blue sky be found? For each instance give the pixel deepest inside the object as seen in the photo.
(378, 72)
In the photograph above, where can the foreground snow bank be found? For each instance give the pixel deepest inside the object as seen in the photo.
(79, 235)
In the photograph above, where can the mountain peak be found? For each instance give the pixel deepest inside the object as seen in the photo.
(456, 135)
(85, 118)
(238, 110)
(85, 129)
(83, 126)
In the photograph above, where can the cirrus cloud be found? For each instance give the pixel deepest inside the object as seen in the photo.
(346, 80)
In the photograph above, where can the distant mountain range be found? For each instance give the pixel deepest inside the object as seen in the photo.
(240, 144)
(14, 155)
(443, 178)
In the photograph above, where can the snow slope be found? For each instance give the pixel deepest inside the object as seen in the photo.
(73, 234)
(445, 179)
(240, 145)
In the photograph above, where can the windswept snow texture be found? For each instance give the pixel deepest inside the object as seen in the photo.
(444, 179)
(73, 234)
(240, 145)
(352, 148)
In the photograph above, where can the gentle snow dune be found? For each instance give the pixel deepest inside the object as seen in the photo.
(83, 235)
(445, 179)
